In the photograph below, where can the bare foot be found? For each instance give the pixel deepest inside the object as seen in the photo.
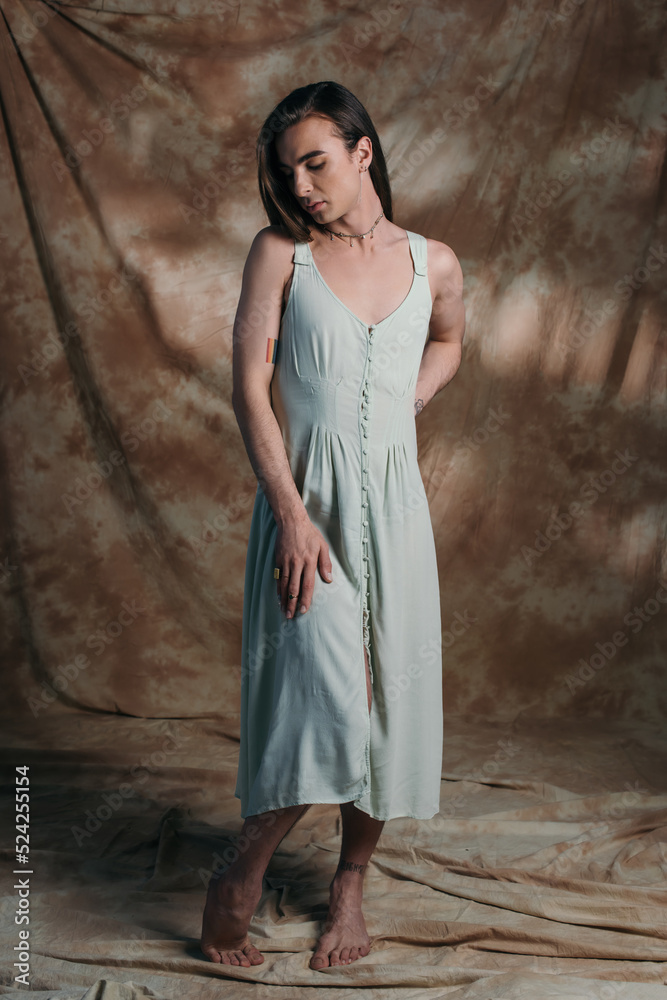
(345, 938)
(229, 907)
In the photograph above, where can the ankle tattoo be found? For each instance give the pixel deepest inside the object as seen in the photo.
(350, 866)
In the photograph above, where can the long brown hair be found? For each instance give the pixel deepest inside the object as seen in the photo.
(351, 121)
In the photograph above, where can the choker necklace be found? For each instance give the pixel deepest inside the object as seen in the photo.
(356, 236)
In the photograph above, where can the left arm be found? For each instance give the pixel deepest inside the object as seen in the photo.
(442, 354)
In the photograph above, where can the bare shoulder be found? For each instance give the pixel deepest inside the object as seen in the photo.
(443, 265)
(273, 241)
(447, 323)
(269, 260)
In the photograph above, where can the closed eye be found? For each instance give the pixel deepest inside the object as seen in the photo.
(318, 167)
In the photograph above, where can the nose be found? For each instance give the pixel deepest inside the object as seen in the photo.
(302, 186)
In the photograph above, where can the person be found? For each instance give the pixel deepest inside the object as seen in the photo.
(347, 326)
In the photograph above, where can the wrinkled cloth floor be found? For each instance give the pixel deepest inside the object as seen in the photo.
(542, 876)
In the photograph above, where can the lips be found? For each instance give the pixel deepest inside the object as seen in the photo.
(315, 204)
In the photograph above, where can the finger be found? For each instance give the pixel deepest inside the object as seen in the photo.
(288, 580)
(283, 581)
(293, 594)
(324, 563)
(307, 587)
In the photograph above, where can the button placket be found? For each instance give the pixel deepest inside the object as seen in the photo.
(365, 413)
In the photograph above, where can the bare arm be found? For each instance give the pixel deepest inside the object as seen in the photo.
(300, 547)
(442, 354)
(258, 319)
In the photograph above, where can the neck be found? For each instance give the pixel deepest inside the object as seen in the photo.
(358, 220)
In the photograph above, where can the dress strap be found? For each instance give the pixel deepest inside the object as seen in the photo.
(301, 253)
(418, 247)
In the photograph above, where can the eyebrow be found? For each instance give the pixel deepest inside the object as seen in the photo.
(306, 156)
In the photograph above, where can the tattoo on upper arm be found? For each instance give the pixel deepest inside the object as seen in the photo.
(419, 406)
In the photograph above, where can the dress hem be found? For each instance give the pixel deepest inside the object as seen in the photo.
(335, 802)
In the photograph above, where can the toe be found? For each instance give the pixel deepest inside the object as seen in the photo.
(334, 958)
(354, 954)
(319, 960)
(345, 955)
(211, 954)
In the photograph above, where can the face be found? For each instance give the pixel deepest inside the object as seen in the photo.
(327, 180)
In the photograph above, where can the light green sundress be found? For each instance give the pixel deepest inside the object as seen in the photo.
(343, 394)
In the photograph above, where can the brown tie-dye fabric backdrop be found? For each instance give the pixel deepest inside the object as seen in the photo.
(532, 142)
(531, 139)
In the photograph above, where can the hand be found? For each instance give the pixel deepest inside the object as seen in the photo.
(300, 550)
